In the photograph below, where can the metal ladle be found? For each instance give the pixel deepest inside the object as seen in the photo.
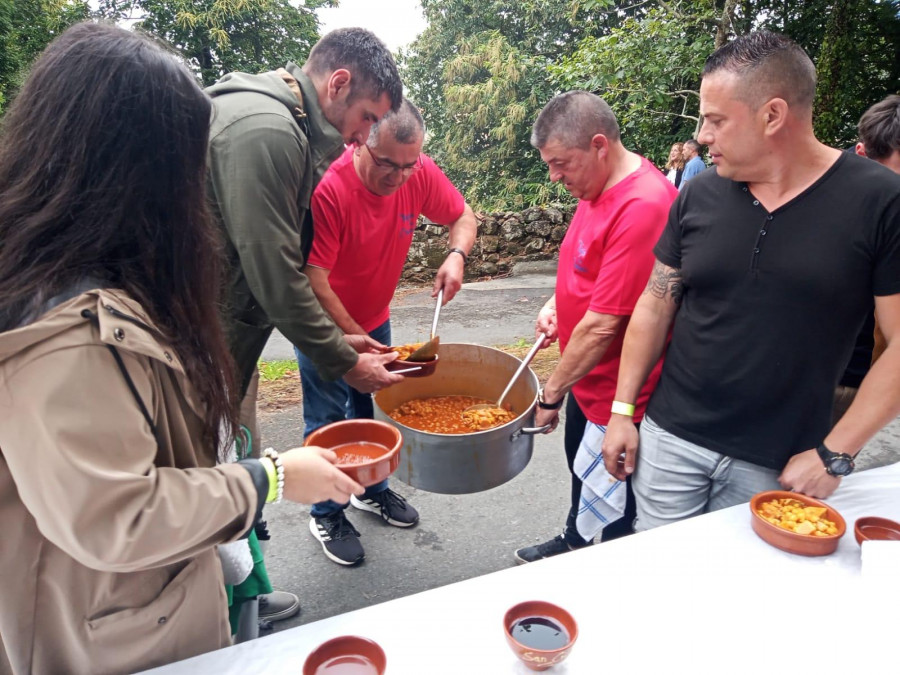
(519, 371)
(428, 350)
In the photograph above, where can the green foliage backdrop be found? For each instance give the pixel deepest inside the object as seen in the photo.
(221, 36)
(482, 70)
(26, 27)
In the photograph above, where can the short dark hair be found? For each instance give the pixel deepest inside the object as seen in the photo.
(365, 56)
(770, 66)
(405, 125)
(879, 128)
(693, 143)
(573, 119)
(102, 179)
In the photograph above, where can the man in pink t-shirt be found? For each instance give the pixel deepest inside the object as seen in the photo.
(364, 214)
(604, 263)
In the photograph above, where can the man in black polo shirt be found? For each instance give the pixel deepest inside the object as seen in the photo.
(765, 273)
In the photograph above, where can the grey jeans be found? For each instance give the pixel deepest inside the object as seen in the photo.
(675, 479)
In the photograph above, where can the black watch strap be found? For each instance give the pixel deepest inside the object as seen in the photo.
(465, 257)
(549, 406)
(836, 463)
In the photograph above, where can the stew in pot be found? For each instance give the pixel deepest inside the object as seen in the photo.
(448, 415)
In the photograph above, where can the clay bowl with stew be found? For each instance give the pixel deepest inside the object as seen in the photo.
(344, 655)
(792, 542)
(540, 633)
(413, 368)
(873, 527)
(368, 450)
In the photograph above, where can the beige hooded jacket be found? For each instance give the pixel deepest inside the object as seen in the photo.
(108, 537)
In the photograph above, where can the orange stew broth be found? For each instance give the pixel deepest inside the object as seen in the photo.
(444, 415)
(405, 351)
(349, 454)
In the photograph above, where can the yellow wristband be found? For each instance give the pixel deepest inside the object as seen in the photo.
(269, 466)
(620, 408)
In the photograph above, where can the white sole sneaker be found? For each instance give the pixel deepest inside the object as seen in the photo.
(320, 537)
(362, 506)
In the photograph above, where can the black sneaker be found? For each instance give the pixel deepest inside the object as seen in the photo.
(339, 538)
(278, 605)
(548, 549)
(393, 508)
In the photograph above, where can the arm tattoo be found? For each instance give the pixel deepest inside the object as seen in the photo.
(665, 281)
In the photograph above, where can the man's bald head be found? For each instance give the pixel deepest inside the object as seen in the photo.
(405, 125)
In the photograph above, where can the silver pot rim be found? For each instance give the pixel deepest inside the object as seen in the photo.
(518, 420)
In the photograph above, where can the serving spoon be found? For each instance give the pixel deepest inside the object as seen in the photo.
(428, 350)
(519, 370)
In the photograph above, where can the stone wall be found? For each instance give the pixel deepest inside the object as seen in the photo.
(504, 238)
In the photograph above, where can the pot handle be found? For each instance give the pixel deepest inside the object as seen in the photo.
(529, 431)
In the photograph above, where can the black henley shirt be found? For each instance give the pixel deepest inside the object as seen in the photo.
(772, 306)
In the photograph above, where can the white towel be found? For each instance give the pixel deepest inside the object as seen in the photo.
(602, 496)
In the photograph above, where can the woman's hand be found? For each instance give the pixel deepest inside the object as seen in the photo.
(310, 476)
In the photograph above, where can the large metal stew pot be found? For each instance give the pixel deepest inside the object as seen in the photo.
(463, 463)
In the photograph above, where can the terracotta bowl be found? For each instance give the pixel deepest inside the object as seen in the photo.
(533, 657)
(801, 544)
(346, 654)
(423, 368)
(873, 527)
(368, 450)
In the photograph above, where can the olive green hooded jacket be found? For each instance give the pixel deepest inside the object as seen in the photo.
(270, 144)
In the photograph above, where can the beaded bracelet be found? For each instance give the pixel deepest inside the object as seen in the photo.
(272, 455)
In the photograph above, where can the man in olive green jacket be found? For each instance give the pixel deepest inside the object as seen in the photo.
(273, 135)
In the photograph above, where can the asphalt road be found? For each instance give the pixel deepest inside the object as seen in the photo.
(488, 313)
(458, 536)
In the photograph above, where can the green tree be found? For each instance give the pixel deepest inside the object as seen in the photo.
(26, 27)
(482, 70)
(220, 36)
(648, 70)
(479, 72)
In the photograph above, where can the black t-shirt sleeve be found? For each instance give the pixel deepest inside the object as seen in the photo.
(668, 248)
(886, 274)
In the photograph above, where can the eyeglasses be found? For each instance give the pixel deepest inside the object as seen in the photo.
(389, 167)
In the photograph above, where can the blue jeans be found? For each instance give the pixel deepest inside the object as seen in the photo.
(675, 479)
(327, 402)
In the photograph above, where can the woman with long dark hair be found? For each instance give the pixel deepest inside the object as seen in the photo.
(117, 391)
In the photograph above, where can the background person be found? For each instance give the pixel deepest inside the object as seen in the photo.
(879, 139)
(273, 136)
(879, 133)
(675, 164)
(767, 268)
(365, 210)
(117, 383)
(604, 261)
(694, 164)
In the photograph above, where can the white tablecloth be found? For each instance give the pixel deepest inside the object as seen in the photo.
(701, 596)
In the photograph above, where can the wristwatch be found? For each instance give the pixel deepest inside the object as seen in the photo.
(549, 406)
(836, 463)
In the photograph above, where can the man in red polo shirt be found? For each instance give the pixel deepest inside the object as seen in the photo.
(365, 212)
(604, 263)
